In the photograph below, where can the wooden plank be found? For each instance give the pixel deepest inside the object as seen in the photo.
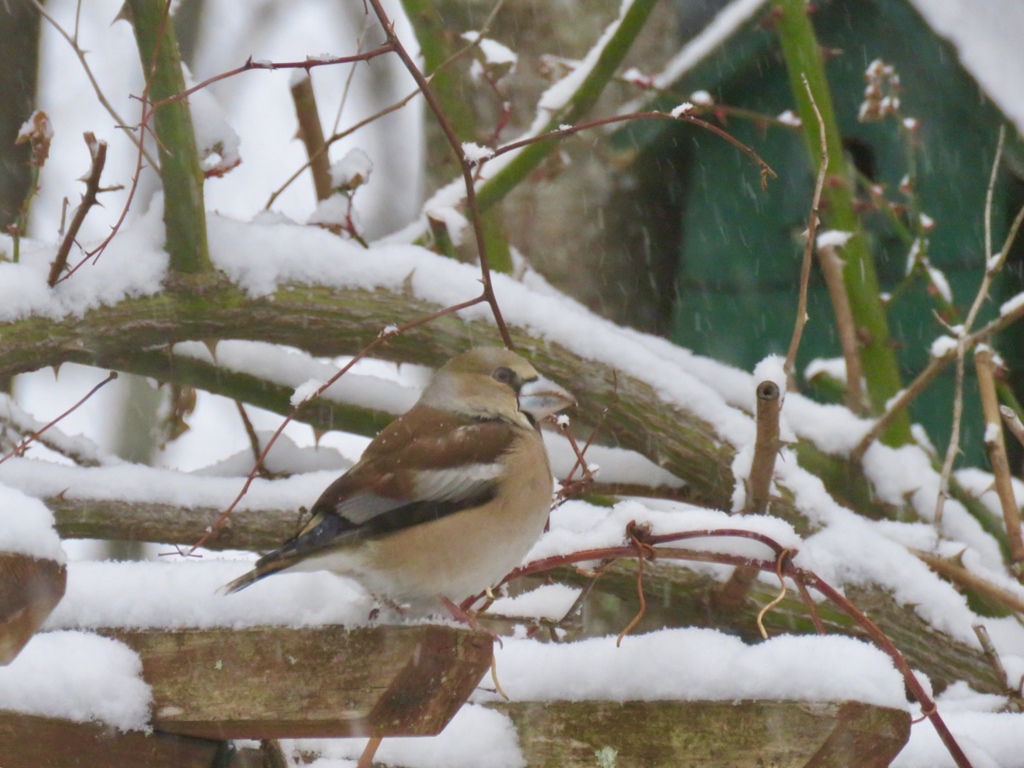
(273, 682)
(29, 589)
(31, 741)
(784, 734)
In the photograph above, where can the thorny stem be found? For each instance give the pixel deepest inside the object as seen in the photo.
(251, 65)
(19, 449)
(181, 177)
(882, 640)
(569, 130)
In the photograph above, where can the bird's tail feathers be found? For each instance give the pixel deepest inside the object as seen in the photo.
(251, 577)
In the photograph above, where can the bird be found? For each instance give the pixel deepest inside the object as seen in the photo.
(447, 499)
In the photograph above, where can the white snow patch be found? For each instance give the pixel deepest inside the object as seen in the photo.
(833, 238)
(80, 677)
(699, 665)
(352, 170)
(26, 526)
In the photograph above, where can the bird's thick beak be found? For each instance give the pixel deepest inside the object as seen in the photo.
(541, 398)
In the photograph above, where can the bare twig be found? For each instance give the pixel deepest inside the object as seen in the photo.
(951, 569)
(335, 138)
(250, 65)
(79, 449)
(996, 448)
(73, 42)
(812, 228)
(968, 339)
(143, 126)
(569, 130)
(882, 640)
(635, 534)
(254, 440)
(339, 135)
(832, 270)
(781, 563)
(467, 166)
(992, 655)
(366, 758)
(992, 265)
(98, 152)
(19, 449)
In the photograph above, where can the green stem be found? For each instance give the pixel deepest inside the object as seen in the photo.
(581, 102)
(438, 43)
(803, 59)
(184, 208)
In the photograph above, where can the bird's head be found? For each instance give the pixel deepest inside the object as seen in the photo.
(491, 382)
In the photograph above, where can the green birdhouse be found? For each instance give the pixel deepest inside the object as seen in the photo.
(920, 135)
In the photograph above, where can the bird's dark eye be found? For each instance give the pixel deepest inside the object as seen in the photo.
(504, 375)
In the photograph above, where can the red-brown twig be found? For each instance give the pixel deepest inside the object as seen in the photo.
(98, 152)
(569, 130)
(467, 166)
(882, 640)
(250, 65)
(19, 449)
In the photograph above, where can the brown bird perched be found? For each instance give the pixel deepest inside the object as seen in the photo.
(448, 498)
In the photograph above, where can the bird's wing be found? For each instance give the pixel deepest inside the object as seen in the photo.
(415, 470)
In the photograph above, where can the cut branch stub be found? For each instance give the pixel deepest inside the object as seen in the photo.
(766, 447)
